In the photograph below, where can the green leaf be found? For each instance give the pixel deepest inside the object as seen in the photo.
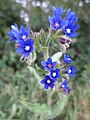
(34, 73)
(41, 71)
(35, 107)
(57, 108)
(56, 57)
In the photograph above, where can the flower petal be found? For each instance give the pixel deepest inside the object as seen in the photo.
(20, 50)
(46, 86)
(43, 81)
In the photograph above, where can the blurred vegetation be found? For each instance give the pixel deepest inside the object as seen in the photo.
(16, 83)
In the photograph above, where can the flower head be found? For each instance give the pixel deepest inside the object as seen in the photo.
(70, 30)
(67, 59)
(71, 71)
(15, 34)
(48, 82)
(11, 33)
(55, 74)
(57, 12)
(48, 65)
(64, 86)
(26, 47)
(56, 23)
(71, 16)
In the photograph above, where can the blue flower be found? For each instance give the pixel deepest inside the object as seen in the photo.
(71, 16)
(48, 65)
(64, 86)
(26, 47)
(71, 71)
(11, 33)
(67, 59)
(56, 23)
(67, 90)
(70, 30)
(57, 12)
(15, 34)
(48, 82)
(55, 74)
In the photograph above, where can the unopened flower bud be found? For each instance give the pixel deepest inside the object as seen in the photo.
(64, 40)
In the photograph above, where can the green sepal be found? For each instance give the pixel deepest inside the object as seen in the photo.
(42, 37)
(37, 44)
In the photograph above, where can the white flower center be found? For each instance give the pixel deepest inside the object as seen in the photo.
(48, 81)
(54, 74)
(69, 71)
(24, 36)
(68, 58)
(14, 27)
(63, 86)
(27, 48)
(56, 25)
(68, 30)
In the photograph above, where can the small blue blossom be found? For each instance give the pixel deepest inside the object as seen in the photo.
(57, 12)
(56, 23)
(70, 30)
(67, 59)
(48, 82)
(26, 47)
(11, 33)
(67, 90)
(55, 74)
(48, 65)
(71, 71)
(15, 34)
(64, 86)
(71, 16)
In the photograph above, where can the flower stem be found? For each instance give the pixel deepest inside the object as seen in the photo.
(46, 54)
(49, 98)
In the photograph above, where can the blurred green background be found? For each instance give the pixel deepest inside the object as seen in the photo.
(16, 83)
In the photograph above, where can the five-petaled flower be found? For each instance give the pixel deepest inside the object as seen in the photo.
(71, 71)
(26, 47)
(48, 82)
(67, 59)
(11, 33)
(15, 34)
(70, 29)
(56, 23)
(64, 86)
(48, 65)
(55, 74)
(71, 16)
(58, 11)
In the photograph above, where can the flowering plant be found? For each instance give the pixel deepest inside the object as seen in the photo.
(56, 68)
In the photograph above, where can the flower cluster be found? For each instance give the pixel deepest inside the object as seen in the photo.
(67, 25)
(24, 44)
(58, 71)
(54, 74)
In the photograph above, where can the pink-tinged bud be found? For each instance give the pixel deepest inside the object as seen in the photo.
(65, 39)
(17, 45)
